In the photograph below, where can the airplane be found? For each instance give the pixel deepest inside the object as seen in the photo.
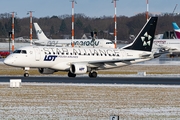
(43, 40)
(50, 59)
(176, 30)
(171, 45)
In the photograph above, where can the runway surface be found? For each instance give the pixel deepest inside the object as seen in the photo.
(98, 80)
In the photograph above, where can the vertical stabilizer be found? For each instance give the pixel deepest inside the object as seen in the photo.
(176, 30)
(40, 34)
(144, 40)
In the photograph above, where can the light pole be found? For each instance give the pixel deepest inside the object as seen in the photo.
(147, 10)
(30, 36)
(115, 25)
(12, 35)
(72, 42)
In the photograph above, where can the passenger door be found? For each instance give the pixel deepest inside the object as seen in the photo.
(37, 54)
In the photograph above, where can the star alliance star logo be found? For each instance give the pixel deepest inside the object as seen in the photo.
(146, 39)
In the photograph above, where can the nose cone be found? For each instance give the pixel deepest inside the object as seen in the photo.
(8, 61)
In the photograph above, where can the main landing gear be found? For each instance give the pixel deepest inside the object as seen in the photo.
(93, 74)
(71, 74)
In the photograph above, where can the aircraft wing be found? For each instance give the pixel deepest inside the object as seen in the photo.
(111, 61)
(155, 55)
(95, 64)
(98, 63)
(166, 48)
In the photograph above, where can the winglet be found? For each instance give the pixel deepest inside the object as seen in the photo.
(144, 40)
(40, 34)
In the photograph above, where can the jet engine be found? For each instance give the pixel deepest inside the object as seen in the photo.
(46, 71)
(78, 68)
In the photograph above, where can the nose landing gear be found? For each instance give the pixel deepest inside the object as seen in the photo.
(26, 72)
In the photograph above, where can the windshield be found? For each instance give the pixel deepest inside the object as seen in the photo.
(20, 51)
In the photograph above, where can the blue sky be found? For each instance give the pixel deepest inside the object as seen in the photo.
(91, 8)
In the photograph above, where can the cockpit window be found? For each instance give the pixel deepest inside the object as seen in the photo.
(17, 51)
(20, 51)
(23, 51)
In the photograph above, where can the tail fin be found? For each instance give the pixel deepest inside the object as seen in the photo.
(176, 29)
(144, 40)
(40, 34)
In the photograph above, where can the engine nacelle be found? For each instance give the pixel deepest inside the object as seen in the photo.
(78, 68)
(46, 71)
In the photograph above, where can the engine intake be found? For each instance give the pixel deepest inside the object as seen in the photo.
(78, 68)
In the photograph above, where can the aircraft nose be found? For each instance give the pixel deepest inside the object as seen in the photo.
(8, 61)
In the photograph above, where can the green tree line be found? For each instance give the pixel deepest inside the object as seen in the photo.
(58, 26)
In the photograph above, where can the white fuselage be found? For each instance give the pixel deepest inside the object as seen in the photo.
(43, 40)
(78, 43)
(173, 44)
(60, 58)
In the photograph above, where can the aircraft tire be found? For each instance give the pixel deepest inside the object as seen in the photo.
(93, 74)
(26, 74)
(71, 74)
(90, 74)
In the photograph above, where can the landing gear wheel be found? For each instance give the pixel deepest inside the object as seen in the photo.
(71, 74)
(93, 74)
(90, 75)
(26, 74)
